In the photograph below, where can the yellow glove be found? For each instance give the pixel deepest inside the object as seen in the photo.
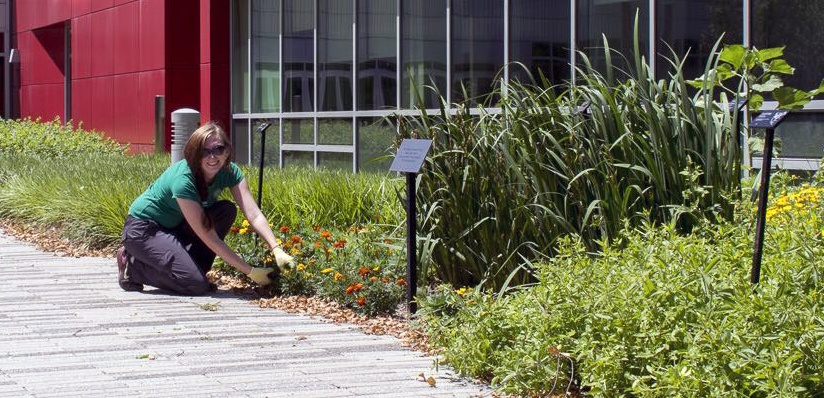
(283, 260)
(260, 275)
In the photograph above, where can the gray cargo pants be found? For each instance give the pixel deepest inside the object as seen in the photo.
(174, 259)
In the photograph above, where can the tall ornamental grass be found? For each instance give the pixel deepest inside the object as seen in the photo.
(616, 149)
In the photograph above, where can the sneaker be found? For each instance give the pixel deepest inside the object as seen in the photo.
(122, 279)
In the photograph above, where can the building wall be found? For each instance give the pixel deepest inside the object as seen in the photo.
(123, 54)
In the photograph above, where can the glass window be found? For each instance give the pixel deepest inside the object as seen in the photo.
(376, 135)
(335, 161)
(298, 159)
(298, 47)
(240, 56)
(477, 50)
(298, 131)
(795, 24)
(423, 52)
(271, 148)
(540, 39)
(335, 131)
(694, 26)
(802, 135)
(335, 55)
(614, 19)
(265, 48)
(376, 54)
(240, 141)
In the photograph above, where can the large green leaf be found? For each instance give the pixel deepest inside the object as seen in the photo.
(770, 53)
(733, 54)
(781, 66)
(771, 84)
(790, 98)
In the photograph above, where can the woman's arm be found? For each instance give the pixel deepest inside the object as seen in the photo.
(193, 212)
(250, 209)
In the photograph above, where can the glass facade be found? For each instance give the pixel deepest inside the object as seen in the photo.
(374, 58)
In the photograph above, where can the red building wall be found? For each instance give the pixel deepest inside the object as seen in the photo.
(123, 54)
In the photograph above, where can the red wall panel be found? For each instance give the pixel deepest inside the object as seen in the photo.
(98, 5)
(102, 49)
(126, 98)
(150, 84)
(82, 93)
(152, 35)
(82, 47)
(126, 38)
(103, 104)
(81, 7)
(54, 11)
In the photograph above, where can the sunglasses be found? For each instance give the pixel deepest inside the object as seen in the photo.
(214, 151)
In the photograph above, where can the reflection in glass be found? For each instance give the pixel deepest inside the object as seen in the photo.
(694, 26)
(540, 39)
(376, 135)
(240, 56)
(298, 159)
(335, 55)
(240, 140)
(615, 19)
(795, 24)
(298, 66)
(477, 50)
(377, 87)
(298, 131)
(423, 53)
(335, 161)
(271, 149)
(265, 47)
(334, 131)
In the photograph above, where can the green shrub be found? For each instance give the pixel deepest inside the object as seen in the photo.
(52, 139)
(663, 315)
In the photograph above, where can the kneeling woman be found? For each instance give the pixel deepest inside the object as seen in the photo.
(176, 227)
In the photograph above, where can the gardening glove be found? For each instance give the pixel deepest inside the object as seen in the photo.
(260, 275)
(283, 260)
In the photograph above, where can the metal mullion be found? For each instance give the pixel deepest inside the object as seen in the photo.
(251, 80)
(398, 53)
(573, 26)
(449, 52)
(652, 34)
(281, 80)
(315, 109)
(354, 83)
(507, 39)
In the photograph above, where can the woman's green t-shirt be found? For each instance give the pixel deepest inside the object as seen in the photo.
(159, 201)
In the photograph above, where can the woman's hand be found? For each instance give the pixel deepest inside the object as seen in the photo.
(283, 260)
(260, 275)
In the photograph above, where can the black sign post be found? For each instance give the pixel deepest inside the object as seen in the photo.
(409, 159)
(768, 120)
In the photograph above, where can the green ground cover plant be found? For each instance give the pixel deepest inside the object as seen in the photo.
(657, 313)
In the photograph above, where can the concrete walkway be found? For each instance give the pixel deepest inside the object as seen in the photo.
(68, 330)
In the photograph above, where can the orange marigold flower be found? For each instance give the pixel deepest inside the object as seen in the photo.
(296, 239)
(316, 228)
(358, 287)
(340, 244)
(361, 301)
(326, 234)
(350, 289)
(385, 280)
(401, 282)
(363, 271)
(317, 244)
(234, 230)
(372, 279)
(338, 276)
(284, 229)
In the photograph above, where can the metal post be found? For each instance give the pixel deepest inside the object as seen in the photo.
(760, 223)
(411, 237)
(262, 130)
(160, 123)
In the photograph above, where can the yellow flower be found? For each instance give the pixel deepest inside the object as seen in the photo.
(326, 270)
(462, 291)
(301, 267)
(245, 224)
(243, 230)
